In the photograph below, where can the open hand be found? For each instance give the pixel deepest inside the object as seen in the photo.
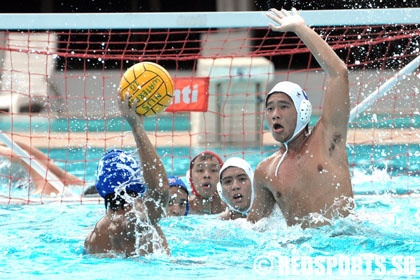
(287, 21)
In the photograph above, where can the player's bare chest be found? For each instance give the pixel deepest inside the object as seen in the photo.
(292, 176)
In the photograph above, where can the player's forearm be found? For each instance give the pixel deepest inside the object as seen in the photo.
(153, 169)
(322, 52)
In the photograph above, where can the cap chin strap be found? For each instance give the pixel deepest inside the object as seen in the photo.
(285, 152)
(282, 158)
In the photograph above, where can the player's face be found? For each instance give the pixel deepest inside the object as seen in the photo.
(281, 116)
(204, 175)
(237, 188)
(177, 205)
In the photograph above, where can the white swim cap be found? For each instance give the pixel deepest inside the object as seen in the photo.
(300, 100)
(243, 164)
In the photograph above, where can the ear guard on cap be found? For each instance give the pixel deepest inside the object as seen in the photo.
(305, 111)
(300, 100)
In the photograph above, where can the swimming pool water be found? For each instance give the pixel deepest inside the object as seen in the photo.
(24, 123)
(375, 169)
(173, 122)
(46, 241)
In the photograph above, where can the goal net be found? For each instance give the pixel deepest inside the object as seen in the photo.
(60, 74)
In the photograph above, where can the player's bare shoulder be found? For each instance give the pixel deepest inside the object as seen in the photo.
(263, 164)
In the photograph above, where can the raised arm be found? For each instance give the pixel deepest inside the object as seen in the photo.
(154, 173)
(336, 109)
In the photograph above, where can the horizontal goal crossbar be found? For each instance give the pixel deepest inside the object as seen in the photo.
(49, 21)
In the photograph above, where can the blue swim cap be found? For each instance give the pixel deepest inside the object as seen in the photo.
(175, 181)
(118, 171)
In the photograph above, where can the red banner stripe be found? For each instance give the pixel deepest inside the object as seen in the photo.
(191, 94)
